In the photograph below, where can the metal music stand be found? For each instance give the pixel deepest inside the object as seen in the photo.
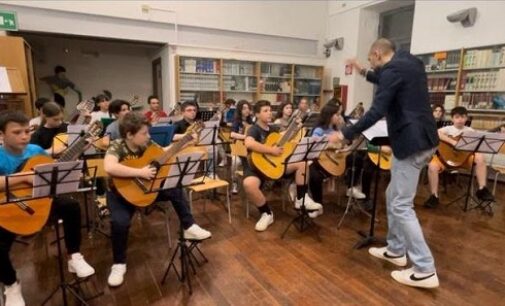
(309, 148)
(209, 137)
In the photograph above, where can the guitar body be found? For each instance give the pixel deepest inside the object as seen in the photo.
(225, 134)
(385, 162)
(131, 189)
(60, 142)
(272, 167)
(332, 162)
(451, 157)
(12, 217)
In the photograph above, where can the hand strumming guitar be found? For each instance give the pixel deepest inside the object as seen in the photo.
(148, 172)
(276, 151)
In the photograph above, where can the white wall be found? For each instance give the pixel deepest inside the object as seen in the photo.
(432, 32)
(122, 68)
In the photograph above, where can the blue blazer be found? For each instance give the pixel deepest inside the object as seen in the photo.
(401, 97)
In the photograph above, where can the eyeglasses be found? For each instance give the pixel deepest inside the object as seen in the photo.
(190, 110)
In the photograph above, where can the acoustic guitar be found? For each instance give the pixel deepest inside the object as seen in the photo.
(28, 217)
(451, 157)
(273, 167)
(385, 162)
(237, 146)
(333, 161)
(81, 113)
(137, 190)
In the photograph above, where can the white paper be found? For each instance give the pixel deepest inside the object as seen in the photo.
(5, 84)
(207, 133)
(379, 129)
(69, 175)
(470, 140)
(174, 173)
(306, 143)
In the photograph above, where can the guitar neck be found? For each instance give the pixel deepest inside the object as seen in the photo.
(74, 150)
(290, 132)
(176, 147)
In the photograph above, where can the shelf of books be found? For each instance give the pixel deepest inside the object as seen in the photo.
(211, 81)
(473, 78)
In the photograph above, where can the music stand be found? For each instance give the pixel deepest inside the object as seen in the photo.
(209, 137)
(181, 175)
(377, 135)
(478, 142)
(53, 180)
(309, 148)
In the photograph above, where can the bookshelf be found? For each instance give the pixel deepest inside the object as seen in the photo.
(474, 79)
(212, 80)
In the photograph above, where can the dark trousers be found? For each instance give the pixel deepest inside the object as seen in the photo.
(316, 177)
(121, 212)
(59, 99)
(62, 208)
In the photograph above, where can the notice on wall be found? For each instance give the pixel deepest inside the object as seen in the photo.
(5, 85)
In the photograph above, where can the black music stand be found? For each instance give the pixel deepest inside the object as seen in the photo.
(377, 135)
(478, 142)
(309, 148)
(53, 180)
(181, 175)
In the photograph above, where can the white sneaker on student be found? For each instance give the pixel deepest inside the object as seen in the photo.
(195, 232)
(79, 266)
(116, 276)
(415, 279)
(264, 222)
(382, 253)
(223, 163)
(13, 295)
(234, 188)
(316, 213)
(309, 203)
(356, 193)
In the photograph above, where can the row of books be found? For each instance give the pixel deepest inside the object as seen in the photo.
(199, 82)
(437, 98)
(477, 100)
(441, 83)
(484, 58)
(280, 70)
(239, 83)
(199, 65)
(238, 68)
(308, 87)
(450, 61)
(306, 72)
(487, 80)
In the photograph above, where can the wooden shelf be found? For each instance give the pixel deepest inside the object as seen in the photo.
(309, 79)
(443, 71)
(275, 92)
(306, 95)
(480, 91)
(241, 91)
(204, 90)
(483, 68)
(275, 77)
(442, 91)
(240, 75)
(199, 73)
(487, 111)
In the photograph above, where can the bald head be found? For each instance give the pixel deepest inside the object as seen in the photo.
(381, 52)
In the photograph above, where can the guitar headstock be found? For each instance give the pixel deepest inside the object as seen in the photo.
(86, 105)
(95, 129)
(195, 128)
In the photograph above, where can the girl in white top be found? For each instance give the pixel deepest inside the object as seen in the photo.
(101, 109)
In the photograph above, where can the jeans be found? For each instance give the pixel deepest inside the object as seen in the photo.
(121, 212)
(62, 208)
(405, 234)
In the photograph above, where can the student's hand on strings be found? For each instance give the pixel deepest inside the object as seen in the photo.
(148, 172)
(386, 149)
(276, 151)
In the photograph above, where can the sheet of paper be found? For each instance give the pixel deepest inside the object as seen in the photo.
(208, 131)
(315, 144)
(5, 85)
(68, 178)
(193, 160)
(491, 144)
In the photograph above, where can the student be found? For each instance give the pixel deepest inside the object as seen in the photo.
(283, 116)
(101, 109)
(14, 129)
(155, 112)
(117, 110)
(303, 105)
(252, 182)
(134, 131)
(459, 116)
(59, 85)
(242, 120)
(439, 115)
(35, 122)
(52, 125)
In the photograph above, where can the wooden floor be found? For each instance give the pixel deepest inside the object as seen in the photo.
(316, 267)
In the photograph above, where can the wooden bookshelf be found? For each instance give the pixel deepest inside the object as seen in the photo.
(213, 80)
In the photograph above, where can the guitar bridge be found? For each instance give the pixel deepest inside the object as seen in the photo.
(269, 161)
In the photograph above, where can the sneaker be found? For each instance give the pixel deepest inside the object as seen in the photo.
(195, 232)
(292, 192)
(79, 266)
(356, 193)
(316, 213)
(116, 276)
(234, 188)
(264, 222)
(484, 194)
(432, 202)
(223, 163)
(13, 295)
(309, 203)
(382, 253)
(410, 278)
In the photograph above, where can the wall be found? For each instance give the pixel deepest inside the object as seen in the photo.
(122, 68)
(432, 32)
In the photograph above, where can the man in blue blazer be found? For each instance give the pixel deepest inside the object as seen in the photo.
(401, 97)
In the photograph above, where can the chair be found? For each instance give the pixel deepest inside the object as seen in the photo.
(499, 169)
(206, 185)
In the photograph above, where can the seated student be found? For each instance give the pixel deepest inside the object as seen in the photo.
(101, 108)
(252, 182)
(35, 122)
(303, 105)
(52, 125)
(117, 109)
(155, 112)
(134, 130)
(242, 120)
(283, 116)
(14, 129)
(459, 116)
(439, 114)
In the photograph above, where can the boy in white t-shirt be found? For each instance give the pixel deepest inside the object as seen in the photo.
(448, 134)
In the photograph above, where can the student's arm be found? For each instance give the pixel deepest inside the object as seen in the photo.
(255, 146)
(442, 134)
(178, 137)
(237, 136)
(14, 181)
(114, 168)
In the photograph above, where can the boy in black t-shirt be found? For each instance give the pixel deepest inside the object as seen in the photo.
(52, 125)
(254, 141)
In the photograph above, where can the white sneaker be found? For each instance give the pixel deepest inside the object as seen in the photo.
(264, 222)
(415, 279)
(316, 213)
(292, 192)
(195, 232)
(79, 266)
(356, 193)
(222, 164)
(213, 175)
(309, 203)
(116, 276)
(13, 295)
(234, 188)
(382, 253)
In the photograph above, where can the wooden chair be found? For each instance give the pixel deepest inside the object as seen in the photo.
(499, 169)
(208, 184)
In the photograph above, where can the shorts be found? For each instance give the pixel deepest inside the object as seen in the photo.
(466, 165)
